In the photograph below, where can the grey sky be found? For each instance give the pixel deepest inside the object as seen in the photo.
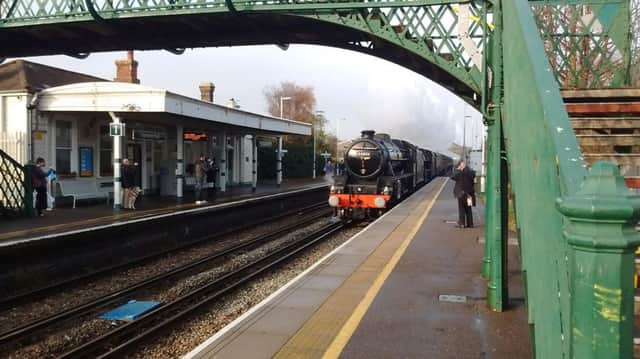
(368, 92)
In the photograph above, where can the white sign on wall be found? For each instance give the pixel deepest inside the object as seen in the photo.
(116, 129)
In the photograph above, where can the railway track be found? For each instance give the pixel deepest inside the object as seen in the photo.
(23, 332)
(124, 338)
(32, 295)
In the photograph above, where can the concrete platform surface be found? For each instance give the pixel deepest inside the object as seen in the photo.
(377, 296)
(99, 213)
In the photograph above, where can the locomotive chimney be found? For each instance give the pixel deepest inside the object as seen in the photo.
(368, 134)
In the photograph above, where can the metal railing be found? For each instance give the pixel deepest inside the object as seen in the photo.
(576, 228)
(14, 144)
(16, 197)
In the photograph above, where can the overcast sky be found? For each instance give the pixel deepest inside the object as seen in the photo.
(369, 93)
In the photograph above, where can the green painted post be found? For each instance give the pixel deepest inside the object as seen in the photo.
(486, 259)
(497, 294)
(601, 233)
(489, 203)
(496, 288)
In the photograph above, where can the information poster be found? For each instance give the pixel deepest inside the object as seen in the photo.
(86, 161)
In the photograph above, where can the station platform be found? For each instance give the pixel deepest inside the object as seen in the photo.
(407, 286)
(99, 213)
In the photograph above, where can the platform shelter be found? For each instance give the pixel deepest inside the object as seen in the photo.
(165, 133)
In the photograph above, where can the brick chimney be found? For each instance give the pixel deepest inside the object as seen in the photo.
(127, 70)
(206, 91)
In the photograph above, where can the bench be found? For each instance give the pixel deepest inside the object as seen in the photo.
(80, 190)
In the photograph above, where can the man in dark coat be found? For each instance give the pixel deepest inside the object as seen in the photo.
(211, 176)
(39, 180)
(464, 192)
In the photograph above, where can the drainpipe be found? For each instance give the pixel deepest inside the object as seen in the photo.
(31, 112)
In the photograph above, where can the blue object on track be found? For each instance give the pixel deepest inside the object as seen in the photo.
(130, 311)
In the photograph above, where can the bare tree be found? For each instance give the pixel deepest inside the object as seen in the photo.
(301, 103)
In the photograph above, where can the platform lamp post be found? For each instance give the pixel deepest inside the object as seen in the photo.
(279, 156)
(319, 114)
(338, 136)
(464, 138)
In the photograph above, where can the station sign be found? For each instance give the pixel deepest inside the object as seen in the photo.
(116, 129)
(194, 136)
(150, 134)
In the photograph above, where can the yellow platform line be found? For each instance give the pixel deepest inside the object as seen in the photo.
(344, 335)
(319, 330)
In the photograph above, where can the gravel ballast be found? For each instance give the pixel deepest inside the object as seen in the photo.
(58, 341)
(200, 327)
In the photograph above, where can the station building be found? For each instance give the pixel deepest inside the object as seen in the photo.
(65, 118)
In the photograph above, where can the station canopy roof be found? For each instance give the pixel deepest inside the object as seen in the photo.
(159, 106)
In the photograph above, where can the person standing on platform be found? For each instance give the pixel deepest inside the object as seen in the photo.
(328, 170)
(211, 176)
(39, 180)
(128, 181)
(200, 173)
(463, 191)
(51, 177)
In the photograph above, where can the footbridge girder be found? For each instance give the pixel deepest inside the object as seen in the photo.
(508, 58)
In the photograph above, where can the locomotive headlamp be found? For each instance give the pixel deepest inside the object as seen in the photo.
(385, 190)
(379, 202)
(333, 189)
(359, 189)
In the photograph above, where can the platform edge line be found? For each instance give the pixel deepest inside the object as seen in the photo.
(149, 216)
(346, 332)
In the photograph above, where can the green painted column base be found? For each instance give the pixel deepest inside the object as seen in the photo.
(602, 236)
(494, 298)
(486, 267)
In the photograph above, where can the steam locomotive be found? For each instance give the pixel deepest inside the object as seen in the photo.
(381, 171)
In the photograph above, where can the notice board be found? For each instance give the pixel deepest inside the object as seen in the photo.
(86, 161)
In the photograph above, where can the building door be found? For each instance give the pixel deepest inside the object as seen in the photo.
(134, 154)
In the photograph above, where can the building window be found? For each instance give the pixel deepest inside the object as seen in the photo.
(63, 147)
(106, 152)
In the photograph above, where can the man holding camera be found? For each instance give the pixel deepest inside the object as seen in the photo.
(464, 193)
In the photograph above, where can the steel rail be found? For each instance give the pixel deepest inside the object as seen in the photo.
(40, 292)
(36, 325)
(203, 296)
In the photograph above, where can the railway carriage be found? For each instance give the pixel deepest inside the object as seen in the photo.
(381, 171)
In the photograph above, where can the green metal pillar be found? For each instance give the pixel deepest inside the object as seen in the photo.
(600, 229)
(486, 260)
(495, 226)
(495, 230)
